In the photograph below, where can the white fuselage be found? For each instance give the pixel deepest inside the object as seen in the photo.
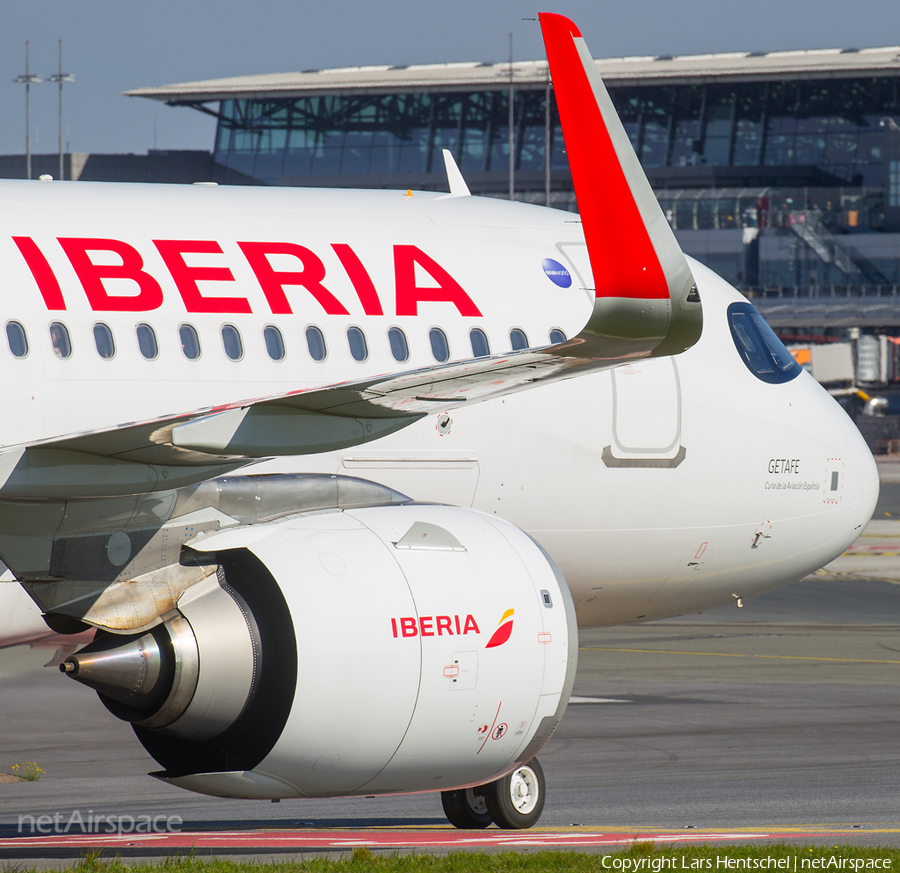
(645, 541)
(489, 249)
(661, 487)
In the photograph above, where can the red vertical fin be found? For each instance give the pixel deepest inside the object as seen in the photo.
(642, 282)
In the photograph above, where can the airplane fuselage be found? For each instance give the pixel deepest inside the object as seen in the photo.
(511, 369)
(208, 270)
(660, 487)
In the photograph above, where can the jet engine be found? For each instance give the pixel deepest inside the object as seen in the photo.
(379, 650)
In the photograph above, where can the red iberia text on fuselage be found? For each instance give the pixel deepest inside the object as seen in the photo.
(433, 625)
(89, 258)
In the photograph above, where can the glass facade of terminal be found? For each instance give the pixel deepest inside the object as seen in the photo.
(822, 162)
(383, 134)
(834, 125)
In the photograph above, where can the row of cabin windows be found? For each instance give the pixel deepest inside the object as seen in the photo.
(233, 344)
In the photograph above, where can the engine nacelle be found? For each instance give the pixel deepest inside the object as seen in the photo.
(370, 651)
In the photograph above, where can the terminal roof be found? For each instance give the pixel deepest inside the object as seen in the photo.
(661, 70)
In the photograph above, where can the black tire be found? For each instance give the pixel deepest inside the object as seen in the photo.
(517, 801)
(465, 809)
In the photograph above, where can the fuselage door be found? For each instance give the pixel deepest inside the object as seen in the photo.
(646, 417)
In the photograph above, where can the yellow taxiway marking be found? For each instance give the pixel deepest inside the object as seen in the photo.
(870, 553)
(733, 655)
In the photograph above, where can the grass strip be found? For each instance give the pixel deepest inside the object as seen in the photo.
(639, 858)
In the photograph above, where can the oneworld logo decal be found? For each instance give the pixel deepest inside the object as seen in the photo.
(503, 632)
(556, 273)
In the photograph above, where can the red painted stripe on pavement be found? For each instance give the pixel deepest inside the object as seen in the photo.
(287, 839)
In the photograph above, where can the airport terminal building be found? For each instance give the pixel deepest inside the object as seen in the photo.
(780, 170)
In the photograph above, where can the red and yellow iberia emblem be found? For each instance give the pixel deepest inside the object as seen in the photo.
(503, 632)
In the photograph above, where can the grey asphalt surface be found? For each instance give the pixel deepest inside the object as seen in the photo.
(754, 723)
(784, 714)
(888, 501)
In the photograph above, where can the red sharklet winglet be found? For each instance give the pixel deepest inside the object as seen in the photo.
(638, 266)
(622, 255)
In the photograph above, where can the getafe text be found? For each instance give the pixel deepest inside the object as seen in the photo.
(784, 465)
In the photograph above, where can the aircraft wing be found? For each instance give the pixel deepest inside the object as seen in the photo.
(184, 449)
(645, 305)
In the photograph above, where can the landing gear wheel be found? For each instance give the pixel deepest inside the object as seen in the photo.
(517, 800)
(465, 809)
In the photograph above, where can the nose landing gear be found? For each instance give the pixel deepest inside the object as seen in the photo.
(466, 809)
(513, 802)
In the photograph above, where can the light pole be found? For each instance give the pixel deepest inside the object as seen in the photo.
(63, 79)
(512, 131)
(28, 79)
(547, 141)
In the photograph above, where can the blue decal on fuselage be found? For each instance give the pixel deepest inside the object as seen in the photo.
(556, 273)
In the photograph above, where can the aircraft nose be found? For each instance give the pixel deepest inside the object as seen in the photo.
(861, 466)
(869, 479)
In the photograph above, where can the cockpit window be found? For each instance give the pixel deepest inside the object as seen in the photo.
(759, 347)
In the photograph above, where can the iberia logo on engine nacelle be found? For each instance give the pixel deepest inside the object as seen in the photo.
(451, 625)
(504, 630)
(434, 625)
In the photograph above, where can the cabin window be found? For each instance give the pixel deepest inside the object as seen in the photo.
(146, 337)
(18, 341)
(103, 340)
(315, 341)
(274, 343)
(231, 342)
(440, 348)
(59, 339)
(760, 349)
(518, 340)
(190, 341)
(356, 339)
(399, 346)
(480, 346)
(557, 336)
